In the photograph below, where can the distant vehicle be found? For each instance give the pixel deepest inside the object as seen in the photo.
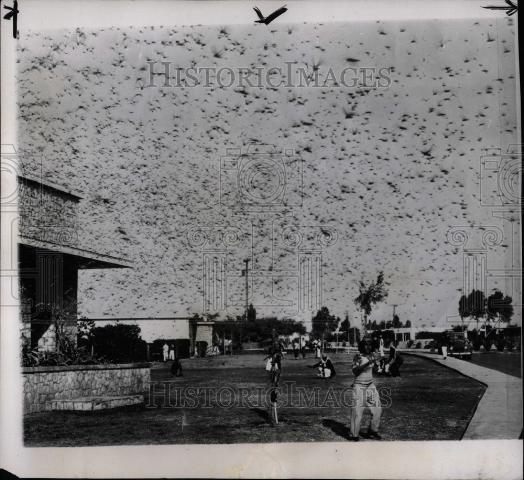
(459, 346)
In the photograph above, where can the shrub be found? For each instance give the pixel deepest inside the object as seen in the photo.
(119, 343)
(182, 346)
(418, 345)
(69, 354)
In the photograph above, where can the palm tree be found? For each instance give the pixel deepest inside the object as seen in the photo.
(369, 295)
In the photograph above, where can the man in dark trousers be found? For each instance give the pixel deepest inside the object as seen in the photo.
(176, 368)
(395, 360)
(295, 348)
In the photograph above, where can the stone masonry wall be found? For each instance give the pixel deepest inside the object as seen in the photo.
(48, 214)
(43, 384)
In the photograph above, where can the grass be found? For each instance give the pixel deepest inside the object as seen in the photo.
(428, 402)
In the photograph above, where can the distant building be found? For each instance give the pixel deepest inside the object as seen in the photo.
(49, 258)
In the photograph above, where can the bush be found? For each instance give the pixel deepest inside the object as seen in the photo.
(418, 345)
(182, 346)
(476, 344)
(119, 343)
(70, 354)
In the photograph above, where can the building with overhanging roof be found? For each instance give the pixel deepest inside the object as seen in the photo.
(50, 256)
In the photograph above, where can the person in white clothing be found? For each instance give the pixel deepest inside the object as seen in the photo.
(444, 349)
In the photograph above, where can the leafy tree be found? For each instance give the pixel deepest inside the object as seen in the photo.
(476, 305)
(251, 313)
(324, 322)
(396, 322)
(464, 310)
(345, 325)
(463, 307)
(261, 330)
(499, 307)
(370, 294)
(408, 324)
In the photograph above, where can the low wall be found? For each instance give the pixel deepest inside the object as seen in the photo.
(43, 384)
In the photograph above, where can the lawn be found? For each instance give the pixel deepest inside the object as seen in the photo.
(505, 362)
(227, 405)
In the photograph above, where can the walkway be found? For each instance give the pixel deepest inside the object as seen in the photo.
(499, 412)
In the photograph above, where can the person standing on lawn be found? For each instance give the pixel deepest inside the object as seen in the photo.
(295, 348)
(165, 352)
(444, 348)
(395, 360)
(176, 367)
(365, 394)
(381, 346)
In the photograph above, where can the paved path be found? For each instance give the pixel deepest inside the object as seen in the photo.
(499, 412)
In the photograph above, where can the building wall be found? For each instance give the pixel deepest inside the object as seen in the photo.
(47, 213)
(43, 384)
(49, 282)
(204, 333)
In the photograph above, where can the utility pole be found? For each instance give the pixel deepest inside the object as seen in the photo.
(394, 309)
(246, 261)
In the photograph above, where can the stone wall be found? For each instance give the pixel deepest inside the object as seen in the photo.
(43, 384)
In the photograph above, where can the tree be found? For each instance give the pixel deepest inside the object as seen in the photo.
(258, 331)
(476, 305)
(499, 307)
(324, 322)
(464, 311)
(371, 294)
(396, 322)
(345, 325)
(408, 324)
(251, 313)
